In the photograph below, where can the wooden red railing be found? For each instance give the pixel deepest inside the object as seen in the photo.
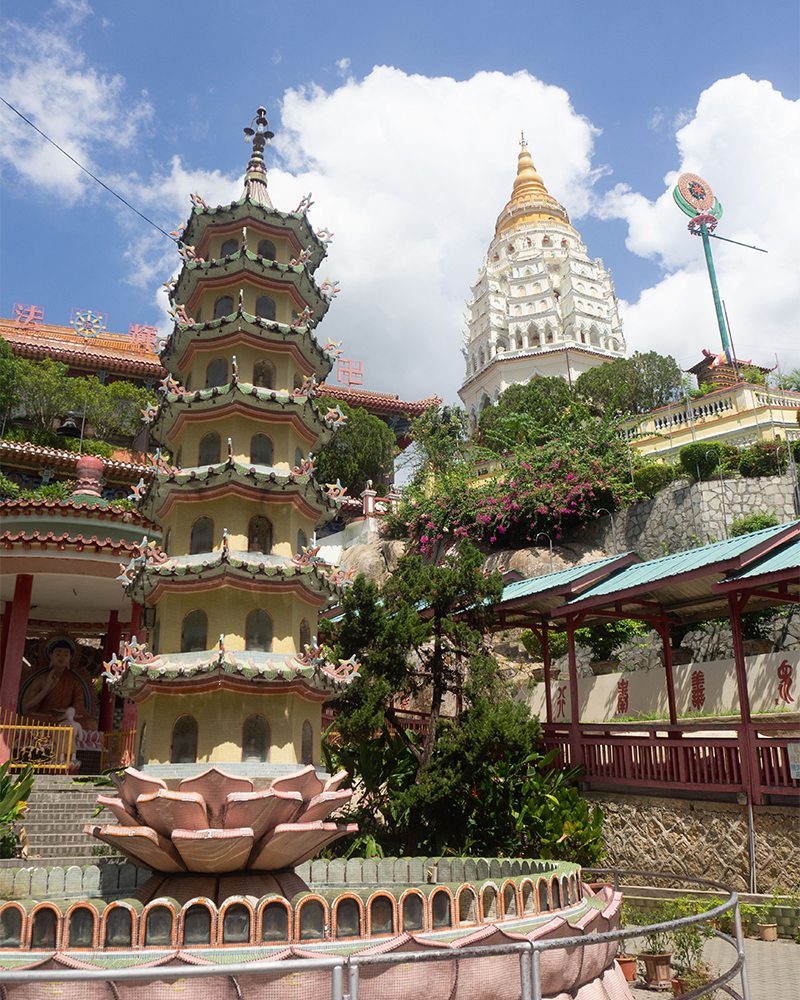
(692, 758)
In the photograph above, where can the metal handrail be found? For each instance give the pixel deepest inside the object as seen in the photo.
(529, 952)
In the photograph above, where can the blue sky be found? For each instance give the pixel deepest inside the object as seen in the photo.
(403, 120)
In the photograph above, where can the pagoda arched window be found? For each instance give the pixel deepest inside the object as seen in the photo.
(258, 631)
(217, 372)
(298, 458)
(187, 385)
(210, 446)
(167, 540)
(297, 381)
(201, 538)
(261, 450)
(265, 307)
(223, 306)
(179, 458)
(307, 747)
(183, 749)
(256, 739)
(229, 247)
(194, 632)
(264, 374)
(259, 535)
(305, 636)
(155, 637)
(302, 541)
(266, 248)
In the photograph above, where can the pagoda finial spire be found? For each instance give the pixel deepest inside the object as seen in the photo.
(522, 140)
(255, 180)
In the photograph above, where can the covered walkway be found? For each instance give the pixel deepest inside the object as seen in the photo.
(751, 572)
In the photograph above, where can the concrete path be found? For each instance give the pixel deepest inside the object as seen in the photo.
(773, 970)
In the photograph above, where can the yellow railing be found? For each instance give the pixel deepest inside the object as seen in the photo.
(25, 741)
(117, 749)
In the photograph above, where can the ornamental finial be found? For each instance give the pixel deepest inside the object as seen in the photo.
(522, 140)
(260, 134)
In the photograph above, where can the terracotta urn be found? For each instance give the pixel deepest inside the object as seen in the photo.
(657, 970)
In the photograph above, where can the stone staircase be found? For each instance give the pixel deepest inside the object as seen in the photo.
(57, 812)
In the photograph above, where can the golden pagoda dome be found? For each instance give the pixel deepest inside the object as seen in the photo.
(529, 203)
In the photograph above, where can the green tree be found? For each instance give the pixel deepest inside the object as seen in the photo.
(790, 380)
(45, 391)
(525, 414)
(637, 384)
(113, 409)
(439, 439)
(363, 449)
(476, 781)
(9, 389)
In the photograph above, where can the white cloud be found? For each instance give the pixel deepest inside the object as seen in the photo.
(342, 66)
(410, 173)
(744, 139)
(46, 77)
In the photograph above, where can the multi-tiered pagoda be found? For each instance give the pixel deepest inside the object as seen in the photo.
(230, 677)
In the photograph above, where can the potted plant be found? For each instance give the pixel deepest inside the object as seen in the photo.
(626, 962)
(605, 639)
(657, 952)
(687, 947)
(767, 923)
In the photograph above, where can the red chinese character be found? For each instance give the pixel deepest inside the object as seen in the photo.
(785, 671)
(28, 315)
(143, 338)
(622, 696)
(561, 702)
(698, 689)
(351, 372)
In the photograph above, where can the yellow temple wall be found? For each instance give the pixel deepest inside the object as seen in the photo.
(227, 609)
(240, 429)
(220, 716)
(286, 367)
(234, 513)
(284, 302)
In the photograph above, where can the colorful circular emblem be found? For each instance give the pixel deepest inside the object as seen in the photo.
(88, 323)
(696, 191)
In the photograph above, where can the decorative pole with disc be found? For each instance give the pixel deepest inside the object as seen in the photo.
(694, 197)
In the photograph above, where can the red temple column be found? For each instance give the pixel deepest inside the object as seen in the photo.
(12, 655)
(4, 634)
(15, 643)
(113, 636)
(673, 709)
(747, 738)
(548, 695)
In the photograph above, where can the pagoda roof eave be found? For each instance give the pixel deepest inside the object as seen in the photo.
(377, 402)
(143, 674)
(263, 332)
(242, 264)
(245, 208)
(213, 569)
(175, 406)
(241, 479)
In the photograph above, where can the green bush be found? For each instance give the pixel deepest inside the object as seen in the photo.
(756, 521)
(9, 490)
(651, 479)
(763, 459)
(706, 457)
(557, 642)
(605, 639)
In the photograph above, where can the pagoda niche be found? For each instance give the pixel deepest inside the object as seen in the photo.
(231, 677)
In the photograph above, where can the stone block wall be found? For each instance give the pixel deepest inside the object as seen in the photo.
(688, 514)
(701, 839)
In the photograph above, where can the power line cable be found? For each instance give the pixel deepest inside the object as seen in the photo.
(86, 171)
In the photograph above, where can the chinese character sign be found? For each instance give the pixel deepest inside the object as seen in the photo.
(622, 696)
(143, 338)
(698, 689)
(351, 372)
(27, 316)
(785, 671)
(561, 702)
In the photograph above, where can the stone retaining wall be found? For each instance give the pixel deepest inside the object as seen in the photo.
(701, 839)
(688, 514)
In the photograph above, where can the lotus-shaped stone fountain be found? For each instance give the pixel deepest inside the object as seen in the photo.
(216, 823)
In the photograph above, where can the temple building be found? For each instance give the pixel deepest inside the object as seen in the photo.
(230, 676)
(540, 306)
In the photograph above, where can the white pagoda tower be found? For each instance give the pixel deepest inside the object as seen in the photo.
(541, 306)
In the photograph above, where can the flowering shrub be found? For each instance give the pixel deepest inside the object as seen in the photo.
(554, 488)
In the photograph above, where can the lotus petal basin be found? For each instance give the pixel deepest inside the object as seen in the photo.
(215, 822)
